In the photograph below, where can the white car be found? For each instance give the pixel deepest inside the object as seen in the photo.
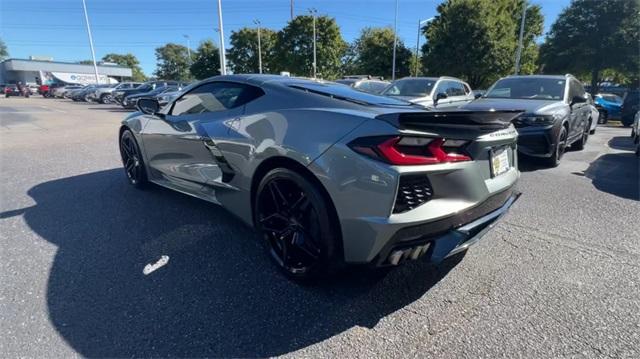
(431, 92)
(595, 114)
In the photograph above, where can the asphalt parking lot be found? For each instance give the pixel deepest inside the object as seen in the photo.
(559, 277)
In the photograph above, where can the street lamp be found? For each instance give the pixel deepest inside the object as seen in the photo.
(395, 43)
(188, 46)
(519, 51)
(223, 60)
(93, 53)
(257, 22)
(314, 12)
(420, 22)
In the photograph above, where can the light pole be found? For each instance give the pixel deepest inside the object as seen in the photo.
(223, 60)
(314, 12)
(395, 43)
(93, 53)
(257, 22)
(188, 47)
(418, 41)
(519, 51)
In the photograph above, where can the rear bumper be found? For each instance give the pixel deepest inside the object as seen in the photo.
(438, 240)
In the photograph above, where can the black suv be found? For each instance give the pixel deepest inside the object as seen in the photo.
(556, 114)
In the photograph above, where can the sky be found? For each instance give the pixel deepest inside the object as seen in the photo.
(56, 28)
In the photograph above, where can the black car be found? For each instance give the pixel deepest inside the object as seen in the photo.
(131, 100)
(630, 105)
(120, 95)
(556, 114)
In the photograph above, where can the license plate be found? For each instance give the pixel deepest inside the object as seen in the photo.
(499, 161)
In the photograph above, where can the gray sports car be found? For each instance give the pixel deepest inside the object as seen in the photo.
(328, 175)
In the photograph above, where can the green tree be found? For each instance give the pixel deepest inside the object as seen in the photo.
(243, 55)
(127, 60)
(591, 36)
(4, 53)
(206, 61)
(374, 53)
(294, 47)
(477, 39)
(173, 62)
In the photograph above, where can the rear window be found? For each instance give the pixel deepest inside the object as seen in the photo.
(348, 94)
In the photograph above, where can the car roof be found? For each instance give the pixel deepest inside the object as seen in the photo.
(557, 77)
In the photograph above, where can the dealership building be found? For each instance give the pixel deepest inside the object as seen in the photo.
(37, 72)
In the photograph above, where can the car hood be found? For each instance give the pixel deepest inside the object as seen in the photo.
(527, 106)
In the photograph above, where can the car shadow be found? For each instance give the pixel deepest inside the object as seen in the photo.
(112, 109)
(617, 174)
(155, 273)
(624, 143)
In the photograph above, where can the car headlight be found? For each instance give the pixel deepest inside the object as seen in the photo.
(538, 120)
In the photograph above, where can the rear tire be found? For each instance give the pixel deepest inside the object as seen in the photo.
(579, 145)
(294, 219)
(132, 160)
(558, 149)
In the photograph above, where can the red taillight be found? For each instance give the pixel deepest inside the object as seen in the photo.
(410, 150)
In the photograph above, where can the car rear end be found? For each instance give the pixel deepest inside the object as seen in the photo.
(420, 184)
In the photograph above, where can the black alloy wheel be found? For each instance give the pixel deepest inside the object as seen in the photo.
(293, 218)
(132, 160)
(560, 147)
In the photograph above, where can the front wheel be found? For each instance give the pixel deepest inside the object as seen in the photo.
(132, 160)
(294, 219)
(558, 149)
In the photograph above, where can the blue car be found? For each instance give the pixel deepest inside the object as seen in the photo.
(609, 106)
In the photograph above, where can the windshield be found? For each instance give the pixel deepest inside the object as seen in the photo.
(410, 87)
(534, 88)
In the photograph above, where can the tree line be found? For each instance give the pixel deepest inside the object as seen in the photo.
(475, 40)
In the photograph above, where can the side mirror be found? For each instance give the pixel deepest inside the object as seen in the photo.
(478, 95)
(439, 96)
(148, 106)
(577, 99)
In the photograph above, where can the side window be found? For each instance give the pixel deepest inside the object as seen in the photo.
(467, 90)
(575, 89)
(455, 88)
(215, 96)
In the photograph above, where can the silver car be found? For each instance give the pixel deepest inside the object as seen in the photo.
(443, 92)
(328, 175)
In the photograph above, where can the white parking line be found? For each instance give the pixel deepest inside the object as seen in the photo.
(52, 109)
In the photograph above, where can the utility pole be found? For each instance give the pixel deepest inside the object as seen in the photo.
(223, 60)
(93, 53)
(257, 22)
(519, 52)
(188, 47)
(313, 12)
(418, 41)
(395, 42)
(291, 9)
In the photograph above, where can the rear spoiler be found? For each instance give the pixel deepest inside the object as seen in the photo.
(479, 120)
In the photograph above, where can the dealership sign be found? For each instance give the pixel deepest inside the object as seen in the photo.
(76, 78)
